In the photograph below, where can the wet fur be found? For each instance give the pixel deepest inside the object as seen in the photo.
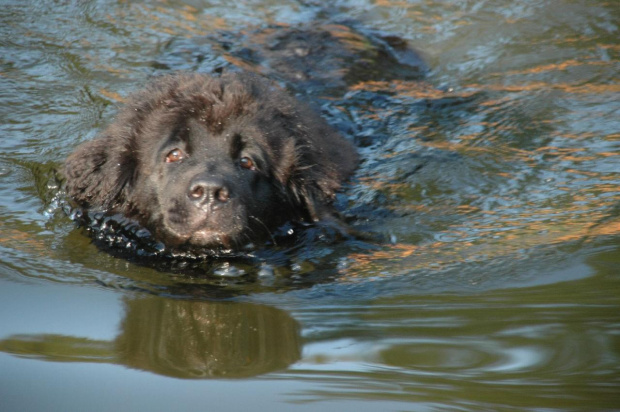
(302, 161)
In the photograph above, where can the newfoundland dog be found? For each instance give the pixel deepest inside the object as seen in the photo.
(212, 163)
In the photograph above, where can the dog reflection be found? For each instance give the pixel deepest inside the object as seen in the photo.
(181, 339)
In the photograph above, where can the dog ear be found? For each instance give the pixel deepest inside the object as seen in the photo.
(311, 160)
(325, 161)
(97, 172)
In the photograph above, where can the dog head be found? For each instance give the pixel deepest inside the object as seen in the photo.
(207, 162)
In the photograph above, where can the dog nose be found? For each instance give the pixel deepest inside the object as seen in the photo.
(208, 191)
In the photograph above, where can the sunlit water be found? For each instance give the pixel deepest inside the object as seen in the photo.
(495, 184)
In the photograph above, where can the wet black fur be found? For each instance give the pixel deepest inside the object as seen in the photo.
(300, 162)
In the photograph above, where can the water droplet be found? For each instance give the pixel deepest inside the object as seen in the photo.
(159, 247)
(142, 233)
(266, 271)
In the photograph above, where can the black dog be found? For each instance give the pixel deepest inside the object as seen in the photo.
(212, 162)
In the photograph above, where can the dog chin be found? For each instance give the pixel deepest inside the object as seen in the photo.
(205, 238)
(189, 238)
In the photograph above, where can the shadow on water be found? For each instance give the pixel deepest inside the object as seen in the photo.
(180, 338)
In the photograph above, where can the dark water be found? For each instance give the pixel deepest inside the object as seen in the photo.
(499, 290)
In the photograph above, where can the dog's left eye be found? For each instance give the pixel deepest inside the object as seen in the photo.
(247, 163)
(175, 155)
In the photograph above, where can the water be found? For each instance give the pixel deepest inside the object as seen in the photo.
(496, 183)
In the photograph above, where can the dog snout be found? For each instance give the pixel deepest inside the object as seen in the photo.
(208, 191)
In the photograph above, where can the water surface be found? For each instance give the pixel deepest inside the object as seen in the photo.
(496, 182)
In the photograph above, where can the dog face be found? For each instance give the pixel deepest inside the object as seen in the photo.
(207, 163)
(210, 189)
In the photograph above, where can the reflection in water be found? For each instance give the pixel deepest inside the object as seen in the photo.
(182, 339)
(500, 293)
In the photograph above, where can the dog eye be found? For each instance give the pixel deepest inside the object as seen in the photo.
(247, 163)
(175, 155)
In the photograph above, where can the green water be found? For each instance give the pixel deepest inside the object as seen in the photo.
(499, 289)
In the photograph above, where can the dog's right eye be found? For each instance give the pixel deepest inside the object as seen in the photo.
(175, 155)
(247, 163)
